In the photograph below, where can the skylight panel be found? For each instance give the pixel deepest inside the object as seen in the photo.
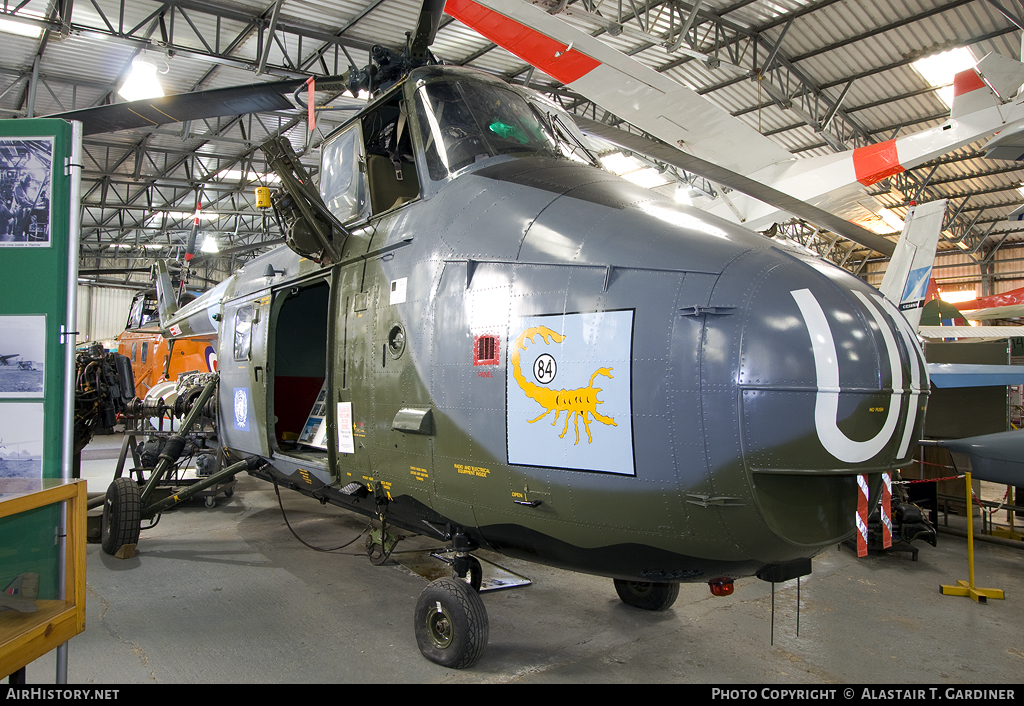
(939, 69)
(21, 28)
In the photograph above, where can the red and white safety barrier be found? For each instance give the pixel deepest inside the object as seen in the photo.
(885, 509)
(862, 515)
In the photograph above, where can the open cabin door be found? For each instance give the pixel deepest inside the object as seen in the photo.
(244, 374)
(351, 392)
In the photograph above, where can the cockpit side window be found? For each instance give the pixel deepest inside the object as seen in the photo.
(390, 163)
(341, 179)
(143, 311)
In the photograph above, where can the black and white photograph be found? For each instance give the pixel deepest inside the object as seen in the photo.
(21, 440)
(25, 189)
(22, 355)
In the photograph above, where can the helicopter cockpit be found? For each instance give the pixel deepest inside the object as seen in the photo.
(459, 117)
(464, 122)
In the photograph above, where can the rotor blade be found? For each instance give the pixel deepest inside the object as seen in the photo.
(620, 84)
(426, 28)
(214, 103)
(190, 249)
(725, 177)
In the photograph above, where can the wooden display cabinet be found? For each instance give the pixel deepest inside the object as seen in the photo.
(25, 637)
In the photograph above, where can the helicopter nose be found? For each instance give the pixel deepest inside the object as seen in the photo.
(831, 383)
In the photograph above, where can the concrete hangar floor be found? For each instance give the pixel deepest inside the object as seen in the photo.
(228, 595)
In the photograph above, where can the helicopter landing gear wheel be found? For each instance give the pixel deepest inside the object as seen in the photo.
(451, 624)
(647, 595)
(122, 515)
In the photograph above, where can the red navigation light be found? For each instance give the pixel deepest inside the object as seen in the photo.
(721, 586)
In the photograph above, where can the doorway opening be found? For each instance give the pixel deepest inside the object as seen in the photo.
(299, 364)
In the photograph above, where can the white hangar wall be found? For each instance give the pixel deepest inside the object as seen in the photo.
(102, 312)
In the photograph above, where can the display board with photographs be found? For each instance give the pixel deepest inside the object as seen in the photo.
(26, 186)
(21, 440)
(22, 356)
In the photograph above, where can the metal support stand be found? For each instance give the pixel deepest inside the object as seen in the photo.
(967, 588)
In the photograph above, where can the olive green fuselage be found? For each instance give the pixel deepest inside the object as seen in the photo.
(567, 367)
(719, 469)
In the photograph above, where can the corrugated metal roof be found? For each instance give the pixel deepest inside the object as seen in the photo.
(822, 46)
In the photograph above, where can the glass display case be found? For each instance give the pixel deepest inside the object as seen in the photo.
(42, 569)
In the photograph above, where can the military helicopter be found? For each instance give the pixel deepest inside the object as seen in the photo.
(516, 350)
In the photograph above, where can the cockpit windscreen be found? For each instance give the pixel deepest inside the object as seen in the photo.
(464, 121)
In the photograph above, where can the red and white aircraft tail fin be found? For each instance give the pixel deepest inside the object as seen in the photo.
(971, 94)
(905, 283)
(998, 306)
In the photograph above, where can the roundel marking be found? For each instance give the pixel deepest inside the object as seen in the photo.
(211, 359)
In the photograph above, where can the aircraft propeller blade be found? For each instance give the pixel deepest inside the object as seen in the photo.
(725, 177)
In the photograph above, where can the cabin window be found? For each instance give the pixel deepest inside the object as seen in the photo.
(135, 345)
(341, 181)
(243, 332)
(145, 348)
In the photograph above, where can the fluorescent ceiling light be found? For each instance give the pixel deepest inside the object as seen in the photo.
(955, 297)
(236, 175)
(875, 225)
(939, 70)
(618, 163)
(145, 246)
(633, 169)
(181, 215)
(210, 244)
(142, 82)
(174, 216)
(649, 177)
(881, 221)
(24, 30)
(891, 220)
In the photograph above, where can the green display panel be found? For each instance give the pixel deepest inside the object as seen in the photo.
(35, 195)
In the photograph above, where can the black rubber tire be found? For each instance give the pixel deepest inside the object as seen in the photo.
(647, 595)
(122, 515)
(454, 636)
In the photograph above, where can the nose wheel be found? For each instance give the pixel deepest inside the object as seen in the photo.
(647, 595)
(451, 624)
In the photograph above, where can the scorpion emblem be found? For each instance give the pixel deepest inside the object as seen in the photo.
(577, 404)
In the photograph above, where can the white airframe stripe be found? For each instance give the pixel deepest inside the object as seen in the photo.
(826, 366)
